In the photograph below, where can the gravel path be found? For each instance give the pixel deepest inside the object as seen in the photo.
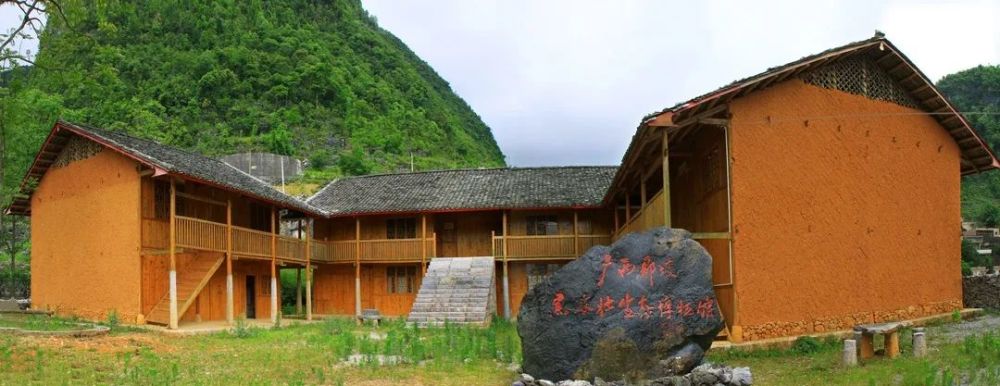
(953, 332)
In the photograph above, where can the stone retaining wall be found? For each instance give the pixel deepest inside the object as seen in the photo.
(806, 327)
(982, 291)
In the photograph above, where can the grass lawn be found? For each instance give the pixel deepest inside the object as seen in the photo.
(36, 322)
(319, 353)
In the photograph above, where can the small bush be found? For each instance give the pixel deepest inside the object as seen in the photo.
(242, 329)
(111, 320)
(807, 345)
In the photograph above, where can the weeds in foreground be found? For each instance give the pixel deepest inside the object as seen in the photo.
(242, 329)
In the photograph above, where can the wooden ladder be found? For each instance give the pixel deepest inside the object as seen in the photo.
(190, 282)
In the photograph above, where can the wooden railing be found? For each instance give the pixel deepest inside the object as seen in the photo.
(650, 216)
(201, 234)
(541, 247)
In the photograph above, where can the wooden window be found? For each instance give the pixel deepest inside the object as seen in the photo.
(542, 225)
(401, 228)
(401, 279)
(260, 217)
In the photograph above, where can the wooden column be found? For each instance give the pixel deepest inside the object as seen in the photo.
(423, 245)
(173, 254)
(309, 236)
(274, 266)
(666, 179)
(229, 261)
(614, 206)
(298, 280)
(642, 193)
(628, 206)
(576, 234)
(506, 280)
(357, 267)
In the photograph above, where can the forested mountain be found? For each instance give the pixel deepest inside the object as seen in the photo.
(976, 92)
(319, 80)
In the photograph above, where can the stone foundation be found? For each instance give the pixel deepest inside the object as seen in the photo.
(821, 325)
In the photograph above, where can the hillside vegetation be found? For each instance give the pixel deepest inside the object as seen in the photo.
(976, 92)
(317, 80)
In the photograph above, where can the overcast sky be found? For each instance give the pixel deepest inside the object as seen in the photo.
(566, 82)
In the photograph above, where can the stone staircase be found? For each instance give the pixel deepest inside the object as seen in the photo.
(458, 290)
(190, 281)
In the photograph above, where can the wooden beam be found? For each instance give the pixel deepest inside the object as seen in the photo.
(666, 179)
(202, 199)
(628, 206)
(172, 234)
(884, 57)
(506, 281)
(714, 121)
(576, 229)
(710, 236)
(309, 236)
(298, 278)
(229, 262)
(357, 267)
(423, 244)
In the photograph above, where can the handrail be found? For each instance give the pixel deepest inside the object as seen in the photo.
(545, 246)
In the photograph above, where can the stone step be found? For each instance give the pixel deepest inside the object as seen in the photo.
(457, 290)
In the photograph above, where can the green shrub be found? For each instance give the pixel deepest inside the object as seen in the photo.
(807, 345)
(242, 329)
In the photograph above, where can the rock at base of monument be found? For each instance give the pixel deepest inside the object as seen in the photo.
(640, 309)
(706, 374)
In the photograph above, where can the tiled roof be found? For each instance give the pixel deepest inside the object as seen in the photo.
(469, 189)
(185, 164)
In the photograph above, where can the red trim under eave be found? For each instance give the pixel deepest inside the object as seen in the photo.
(458, 210)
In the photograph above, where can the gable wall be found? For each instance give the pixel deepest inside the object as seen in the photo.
(840, 220)
(85, 238)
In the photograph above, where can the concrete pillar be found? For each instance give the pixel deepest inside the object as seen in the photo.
(274, 299)
(309, 296)
(229, 297)
(357, 297)
(850, 354)
(919, 342)
(506, 293)
(173, 299)
(298, 291)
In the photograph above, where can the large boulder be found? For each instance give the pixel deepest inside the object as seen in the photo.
(642, 308)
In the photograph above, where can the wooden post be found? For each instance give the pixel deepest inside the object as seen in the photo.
(173, 255)
(274, 266)
(576, 234)
(642, 193)
(309, 236)
(614, 206)
(229, 261)
(423, 245)
(506, 280)
(628, 206)
(357, 267)
(666, 179)
(298, 280)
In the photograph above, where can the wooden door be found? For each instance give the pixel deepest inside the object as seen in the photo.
(447, 228)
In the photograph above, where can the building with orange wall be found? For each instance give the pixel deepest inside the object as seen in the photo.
(826, 190)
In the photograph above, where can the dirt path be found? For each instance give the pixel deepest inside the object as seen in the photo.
(953, 332)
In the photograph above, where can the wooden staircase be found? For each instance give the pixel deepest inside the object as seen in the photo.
(190, 281)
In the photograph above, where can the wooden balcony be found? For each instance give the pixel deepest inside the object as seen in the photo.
(545, 247)
(193, 233)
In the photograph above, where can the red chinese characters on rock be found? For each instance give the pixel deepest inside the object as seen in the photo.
(626, 305)
(647, 269)
(605, 264)
(666, 308)
(557, 304)
(645, 310)
(706, 308)
(584, 305)
(667, 269)
(626, 267)
(604, 305)
(684, 309)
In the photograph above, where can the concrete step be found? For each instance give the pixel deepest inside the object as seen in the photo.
(456, 290)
